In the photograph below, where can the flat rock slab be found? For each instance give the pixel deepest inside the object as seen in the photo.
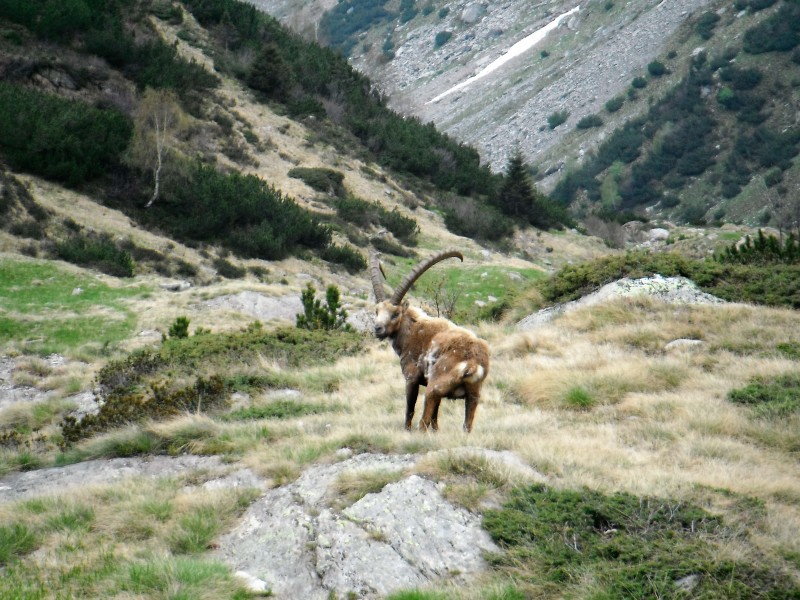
(57, 480)
(264, 308)
(405, 536)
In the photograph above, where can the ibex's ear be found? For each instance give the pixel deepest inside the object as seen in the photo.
(405, 304)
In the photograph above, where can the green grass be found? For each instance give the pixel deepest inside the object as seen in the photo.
(582, 543)
(775, 397)
(279, 409)
(16, 540)
(468, 282)
(578, 398)
(40, 310)
(86, 547)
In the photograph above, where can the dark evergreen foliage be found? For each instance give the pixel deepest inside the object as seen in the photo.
(241, 212)
(316, 316)
(96, 251)
(778, 33)
(520, 200)
(705, 24)
(766, 249)
(403, 144)
(686, 147)
(60, 139)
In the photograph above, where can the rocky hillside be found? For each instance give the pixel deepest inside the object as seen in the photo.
(561, 98)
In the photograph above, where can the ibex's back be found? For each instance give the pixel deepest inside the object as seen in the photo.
(449, 360)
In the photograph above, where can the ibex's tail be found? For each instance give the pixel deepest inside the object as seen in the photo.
(472, 371)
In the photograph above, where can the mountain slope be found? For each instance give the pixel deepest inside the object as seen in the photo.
(552, 101)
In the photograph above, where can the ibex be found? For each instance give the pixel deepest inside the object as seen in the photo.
(450, 361)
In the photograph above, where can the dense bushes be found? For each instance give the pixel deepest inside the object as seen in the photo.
(366, 214)
(589, 121)
(350, 258)
(471, 218)
(627, 546)
(133, 388)
(96, 251)
(150, 63)
(765, 250)
(59, 139)
(442, 38)
(240, 211)
(778, 33)
(341, 25)
(685, 128)
(323, 180)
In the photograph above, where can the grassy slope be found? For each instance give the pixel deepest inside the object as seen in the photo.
(592, 400)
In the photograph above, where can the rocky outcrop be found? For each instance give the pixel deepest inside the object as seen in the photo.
(297, 543)
(673, 290)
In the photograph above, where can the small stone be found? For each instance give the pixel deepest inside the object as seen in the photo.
(77, 291)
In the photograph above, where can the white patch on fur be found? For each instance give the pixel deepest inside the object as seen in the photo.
(430, 360)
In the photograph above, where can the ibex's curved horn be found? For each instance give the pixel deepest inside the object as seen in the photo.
(412, 277)
(375, 274)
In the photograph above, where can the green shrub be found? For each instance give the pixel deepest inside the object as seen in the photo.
(387, 246)
(657, 69)
(279, 409)
(227, 269)
(366, 214)
(777, 33)
(242, 212)
(317, 316)
(350, 258)
(615, 104)
(589, 121)
(125, 405)
(706, 23)
(322, 180)
(59, 139)
(179, 328)
(557, 118)
(773, 397)
(766, 249)
(777, 286)
(97, 251)
(627, 546)
(639, 83)
(474, 219)
(442, 38)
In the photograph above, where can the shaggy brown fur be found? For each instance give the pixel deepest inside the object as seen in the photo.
(449, 360)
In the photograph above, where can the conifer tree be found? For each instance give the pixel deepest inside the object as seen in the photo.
(519, 198)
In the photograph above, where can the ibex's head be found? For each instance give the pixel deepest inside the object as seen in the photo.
(389, 313)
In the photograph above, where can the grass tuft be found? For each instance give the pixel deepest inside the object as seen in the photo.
(16, 540)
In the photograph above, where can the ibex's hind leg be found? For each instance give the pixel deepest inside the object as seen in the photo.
(412, 391)
(432, 400)
(470, 405)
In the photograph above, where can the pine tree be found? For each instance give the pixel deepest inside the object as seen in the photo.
(271, 74)
(516, 194)
(519, 198)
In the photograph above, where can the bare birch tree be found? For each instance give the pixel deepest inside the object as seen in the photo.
(157, 119)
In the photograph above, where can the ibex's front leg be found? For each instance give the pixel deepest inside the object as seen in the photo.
(412, 391)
